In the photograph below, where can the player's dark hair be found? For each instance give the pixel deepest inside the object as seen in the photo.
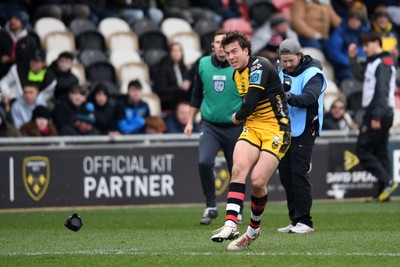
(370, 36)
(240, 37)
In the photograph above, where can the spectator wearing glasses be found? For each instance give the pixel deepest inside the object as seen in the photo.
(337, 118)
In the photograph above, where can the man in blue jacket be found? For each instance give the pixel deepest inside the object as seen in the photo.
(304, 83)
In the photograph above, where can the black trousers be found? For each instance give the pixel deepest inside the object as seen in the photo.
(293, 173)
(213, 139)
(372, 150)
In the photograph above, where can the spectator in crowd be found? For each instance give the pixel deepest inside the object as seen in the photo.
(173, 79)
(274, 29)
(64, 112)
(132, 11)
(83, 122)
(380, 23)
(189, 10)
(337, 118)
(220, 10)
(35, 72)
(176, 121)
(40, 123)
(65, 78)
(103, 109)
(22, 107)
(348, 32)
(304, 84)
(312, 20)
(16, 42)
(132, 111)
(379, 83)
(7, 129)
(155, 125)
(9, 7)
(60, 9)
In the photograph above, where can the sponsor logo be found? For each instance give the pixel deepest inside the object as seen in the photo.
(350, 160)
(255, 77)
(36, 176)
(222, 177)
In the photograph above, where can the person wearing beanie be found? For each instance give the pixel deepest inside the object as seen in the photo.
(40, 124)
(83, 123)
(16, 42)
(104, 109)
(304, 84)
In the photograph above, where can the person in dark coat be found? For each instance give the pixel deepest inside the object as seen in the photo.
(103, 109)
(7, 129)
(176, 121)
(65, 78)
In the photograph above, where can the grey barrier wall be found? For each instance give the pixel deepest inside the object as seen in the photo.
(156, 173)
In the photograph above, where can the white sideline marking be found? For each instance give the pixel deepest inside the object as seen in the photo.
(137, 252)
(11, 165)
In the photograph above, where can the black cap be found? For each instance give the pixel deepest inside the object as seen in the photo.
(38, 55)
(40, 112)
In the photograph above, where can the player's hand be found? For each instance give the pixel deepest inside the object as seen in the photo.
(235, 121)
(352, 50)
(188, 129)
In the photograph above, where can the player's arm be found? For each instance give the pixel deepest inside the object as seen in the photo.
(249, 103)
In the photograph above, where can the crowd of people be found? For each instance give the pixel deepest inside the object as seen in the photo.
(27, 82)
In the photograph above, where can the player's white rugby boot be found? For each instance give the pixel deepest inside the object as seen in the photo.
(224, 233)
(242, 242)
(301, 228)
(285, 229)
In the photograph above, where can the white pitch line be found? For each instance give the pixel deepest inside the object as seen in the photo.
(137, 252)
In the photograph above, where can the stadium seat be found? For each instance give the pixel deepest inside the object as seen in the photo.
(46, 25)
(52, 55)
(143, 26)
(154, 103)
(153, 39)
(90, 40)
(123, 41)
(80, 25)
(314, 53)
(121, 57)
(153, 56)
(171, 26)
(79, 71)
(190, 56)
(238, 24)
(90, 56)
(108, 26)
(206, 28)
(60, 41)
(131, 71)
(260, 12)
(102, 71)
(187, 40)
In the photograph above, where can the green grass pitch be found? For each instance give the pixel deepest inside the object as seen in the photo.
(348, 233)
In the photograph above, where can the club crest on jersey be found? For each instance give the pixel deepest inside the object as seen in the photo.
(255, 77)
(36, 176)
(219, 82)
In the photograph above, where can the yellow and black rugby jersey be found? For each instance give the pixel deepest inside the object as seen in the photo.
(259, 74)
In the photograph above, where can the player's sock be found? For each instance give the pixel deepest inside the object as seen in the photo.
(257, 208)
(234, 202)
